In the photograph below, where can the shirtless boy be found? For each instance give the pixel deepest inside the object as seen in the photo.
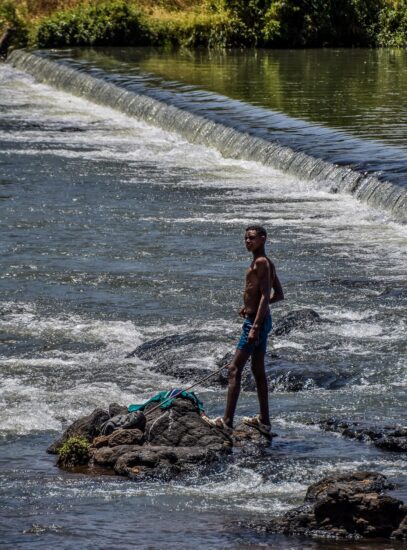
(261, 279)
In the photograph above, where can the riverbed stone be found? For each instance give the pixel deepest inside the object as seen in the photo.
(387, 437)
(282, 375)
(297, 319)
(162, 461)
(287, 376)
(87, 427)
(126, 437)
(115, 409)
(344, 506)
(108, 456)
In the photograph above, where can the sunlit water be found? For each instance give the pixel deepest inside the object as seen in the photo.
(114, 233)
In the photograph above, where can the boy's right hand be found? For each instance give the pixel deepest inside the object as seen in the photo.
(242, 312)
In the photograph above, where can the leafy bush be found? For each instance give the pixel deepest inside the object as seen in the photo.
(209, 23)
(196, 29)
(246, 17)
(10, 18)
(74, 452)
(299, 23)
(392, 25)
(109, 23)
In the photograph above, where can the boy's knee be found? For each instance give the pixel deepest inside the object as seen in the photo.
(234, 372)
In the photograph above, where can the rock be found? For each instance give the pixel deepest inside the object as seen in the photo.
(362, 482)
(119, 437)
(348, 506)
(115, 409)
(162, 461)
(298, 319)
(388, 438)
(243, 434)
(101, 441)
(167, 348)
(107, 456)
(164, 353)
(126, 437)
(285, 376)
(175, 441)
(126, 421)
(155, 349)
(182, 426)
(401, 532)
(87, 427)
(394, 293)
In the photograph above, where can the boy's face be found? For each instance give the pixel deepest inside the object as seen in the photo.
(253, 241)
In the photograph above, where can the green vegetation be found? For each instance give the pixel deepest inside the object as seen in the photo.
(11, 18)
(209, 23)
(111, 23)
(392, 25)
(74, 452)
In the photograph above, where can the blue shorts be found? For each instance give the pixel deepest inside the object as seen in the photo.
(261, 344)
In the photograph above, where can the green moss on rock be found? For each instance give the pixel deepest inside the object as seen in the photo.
(74, 452)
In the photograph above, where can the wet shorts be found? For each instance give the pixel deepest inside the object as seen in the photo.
(261, 344)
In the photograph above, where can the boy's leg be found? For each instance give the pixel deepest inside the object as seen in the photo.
(235, 376)
(259, 374)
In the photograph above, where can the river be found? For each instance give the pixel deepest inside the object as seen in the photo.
(117, 230)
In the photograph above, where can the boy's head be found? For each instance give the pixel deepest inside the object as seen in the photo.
(255, 237)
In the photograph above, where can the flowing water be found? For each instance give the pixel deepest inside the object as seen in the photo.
(116, 232)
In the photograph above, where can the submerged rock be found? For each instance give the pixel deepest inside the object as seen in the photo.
(282, 375)
(388, 438)
(345, 506)
(286, 376)
(154, 349)
(297, 319)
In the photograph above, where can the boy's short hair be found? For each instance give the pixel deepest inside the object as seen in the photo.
(259, 230)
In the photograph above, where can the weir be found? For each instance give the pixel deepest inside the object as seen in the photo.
(229, 141)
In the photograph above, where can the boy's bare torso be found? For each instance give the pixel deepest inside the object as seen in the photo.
(252, 290)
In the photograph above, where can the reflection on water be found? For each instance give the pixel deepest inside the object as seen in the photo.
(362, 91)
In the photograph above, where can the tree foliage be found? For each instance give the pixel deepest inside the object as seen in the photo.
(114, 23)
(209, 23)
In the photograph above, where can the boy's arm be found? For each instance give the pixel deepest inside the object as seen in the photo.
(278, 293)
(263, 273)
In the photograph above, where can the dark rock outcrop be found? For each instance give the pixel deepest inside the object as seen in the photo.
(161, 461)
(182, 426)
(394, 293)
(285, 376)
(282, 374)
(388, 438)
(154, 349)
(294, 320)
(87, 427)
(346, 506)
(174, 441)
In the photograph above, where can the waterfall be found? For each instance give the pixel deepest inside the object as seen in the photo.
(229, 141)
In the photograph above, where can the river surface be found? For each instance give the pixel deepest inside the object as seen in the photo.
(347, 108)
(115, 232)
